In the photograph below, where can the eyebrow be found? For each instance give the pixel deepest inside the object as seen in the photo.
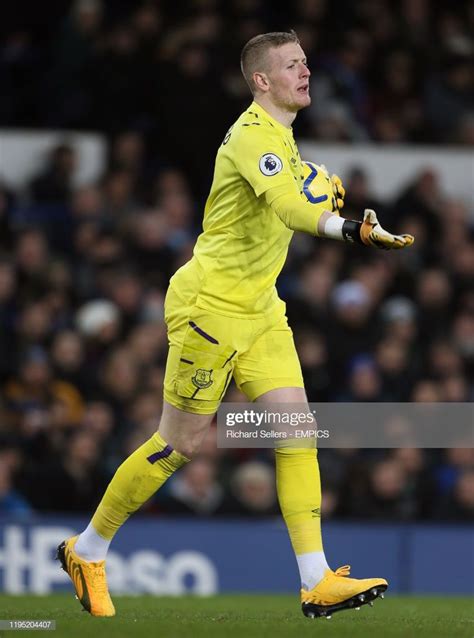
(299, 59)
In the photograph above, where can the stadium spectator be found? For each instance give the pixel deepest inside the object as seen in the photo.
(396, 368)
(11, 501)
(358, 195)
(119, 380)
(69, 482)
(314, 358)
(68, 360)
(459, 504)
(253, 491)
(196, 490)
(349, 333)
(72, 52)
(98, 419)
(53, 185)
(420, 481)
(456, 461)
(36, 389)
(364, 381)
(8, 309)
(7, 203)
(31, 258)
(388, 495)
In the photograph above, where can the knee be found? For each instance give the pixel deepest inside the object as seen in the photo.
(188, 448)
(184, 431)
(187, 444)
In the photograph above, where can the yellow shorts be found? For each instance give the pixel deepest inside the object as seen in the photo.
(206, 350)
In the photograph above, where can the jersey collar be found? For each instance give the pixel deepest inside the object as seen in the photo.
(266, 116)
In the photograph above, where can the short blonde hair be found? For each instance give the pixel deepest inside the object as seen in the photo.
(253, 56)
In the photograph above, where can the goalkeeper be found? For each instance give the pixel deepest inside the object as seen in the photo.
(225, 320)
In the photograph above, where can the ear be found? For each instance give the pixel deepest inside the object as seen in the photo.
(261, 81)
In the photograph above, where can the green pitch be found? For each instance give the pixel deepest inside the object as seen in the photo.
(239, 616)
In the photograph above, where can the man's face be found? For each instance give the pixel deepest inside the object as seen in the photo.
(288, 77)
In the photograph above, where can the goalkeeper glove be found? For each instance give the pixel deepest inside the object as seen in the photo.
(372, 234)
(338, 190)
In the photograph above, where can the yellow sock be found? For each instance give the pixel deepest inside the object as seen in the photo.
(299, 495)
(135, 481)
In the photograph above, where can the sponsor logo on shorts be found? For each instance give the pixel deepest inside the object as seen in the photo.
(203, 378)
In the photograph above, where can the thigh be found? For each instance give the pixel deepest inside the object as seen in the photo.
(284, 395)
(201, 358)
(270, 363)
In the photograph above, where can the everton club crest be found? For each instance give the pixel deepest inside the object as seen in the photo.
(202, 379)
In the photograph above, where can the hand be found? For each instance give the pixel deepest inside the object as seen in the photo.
(372, 234)
(338, 190)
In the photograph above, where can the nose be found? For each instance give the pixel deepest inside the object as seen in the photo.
(304, 72)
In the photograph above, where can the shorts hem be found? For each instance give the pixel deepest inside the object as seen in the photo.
(193, 406)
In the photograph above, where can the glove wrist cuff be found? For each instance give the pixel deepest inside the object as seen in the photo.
(352, 232)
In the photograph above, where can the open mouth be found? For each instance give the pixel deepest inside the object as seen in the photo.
(304, 89)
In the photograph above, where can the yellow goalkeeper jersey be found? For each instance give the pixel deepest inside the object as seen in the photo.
(244, 244)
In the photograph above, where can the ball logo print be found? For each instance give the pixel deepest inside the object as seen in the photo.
(317, 186)
(270, 164)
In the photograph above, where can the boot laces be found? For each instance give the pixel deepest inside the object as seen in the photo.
(345, 570)
(100, 581)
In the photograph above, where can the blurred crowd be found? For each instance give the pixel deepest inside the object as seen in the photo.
(388, 71)
(84, 270)
(83, 276)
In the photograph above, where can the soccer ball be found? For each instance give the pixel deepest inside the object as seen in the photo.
(317, 187)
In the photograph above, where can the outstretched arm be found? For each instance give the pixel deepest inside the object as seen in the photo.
(300, 215)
